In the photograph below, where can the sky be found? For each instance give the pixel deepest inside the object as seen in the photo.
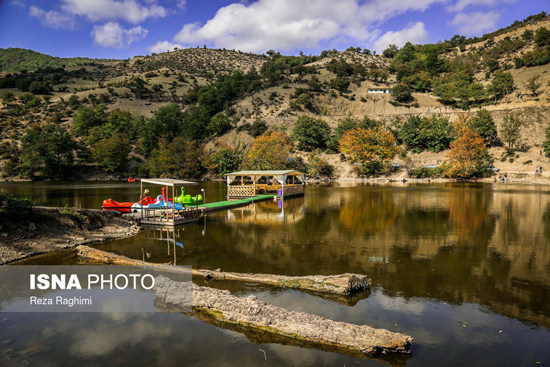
(120, 29)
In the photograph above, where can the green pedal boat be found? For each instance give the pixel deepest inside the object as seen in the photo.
(189, 200)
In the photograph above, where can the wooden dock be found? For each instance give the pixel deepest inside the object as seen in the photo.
(173, 217)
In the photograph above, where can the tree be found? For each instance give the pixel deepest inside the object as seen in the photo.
(48, 150)
(402, 93)
(340, 84)
(542, 37)
(482, 123)
(502, 84)
(419, 82)
(270, 151)
(311, 133)
(422, 133)
(468, 156)
(178, 159)
(88, 117)
(258, 127)
(405, 55)
(390, 51)
(38, 88)
(510, 129)
(219, 124)
(372, 149)
(7, 97)
(225, 160)
(546, 144)
(533, 84)
(112, 153)
(167, 122)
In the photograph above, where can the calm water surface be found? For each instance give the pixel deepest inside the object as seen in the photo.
(463, 268)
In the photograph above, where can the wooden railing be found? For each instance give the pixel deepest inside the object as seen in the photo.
(163, 215)
(241, 191)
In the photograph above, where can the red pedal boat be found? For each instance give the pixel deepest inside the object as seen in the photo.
(126, 207)
(131, 179)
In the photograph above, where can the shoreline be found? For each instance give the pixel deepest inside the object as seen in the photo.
(23, 243)
(62, 232)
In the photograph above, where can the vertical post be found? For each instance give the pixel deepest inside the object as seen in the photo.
(141, 196)
(173, 204)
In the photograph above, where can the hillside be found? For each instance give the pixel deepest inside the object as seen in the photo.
(123, 115)
(16, 59)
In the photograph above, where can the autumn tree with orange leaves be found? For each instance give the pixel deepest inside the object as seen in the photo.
(270, 151)
(468, 156)
(372, 149)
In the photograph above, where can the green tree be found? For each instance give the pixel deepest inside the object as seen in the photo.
(390, 51)
(546, 144)
(405, 55)
(7, 97)
(48, 150)
(510, 133)
(219, 124)
(311, 133)
(112, 153)
(482, 123)
(38, 88)
(178, 159)
(340, 84)
(167, 122)
(88, 117)
(502, 84)
(533, 84)
(542, 37)
(258, 127)
(402, 93)
(419, 82)
(226, 159)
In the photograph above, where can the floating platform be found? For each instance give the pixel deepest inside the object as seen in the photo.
(169, 217)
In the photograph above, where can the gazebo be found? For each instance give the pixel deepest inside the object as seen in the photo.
(283, 183)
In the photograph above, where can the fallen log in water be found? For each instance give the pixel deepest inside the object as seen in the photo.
(342, 284)
(251, 313)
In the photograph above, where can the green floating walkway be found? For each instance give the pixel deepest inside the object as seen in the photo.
(221, 205)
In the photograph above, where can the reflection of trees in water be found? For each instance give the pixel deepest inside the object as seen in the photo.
(369, 211)
(546, 225)
(509, 229)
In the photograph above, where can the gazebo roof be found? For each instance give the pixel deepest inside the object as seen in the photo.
(168, 182)
(264, 173)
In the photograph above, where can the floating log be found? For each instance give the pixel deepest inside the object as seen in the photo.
(342, 284)
(252, 313)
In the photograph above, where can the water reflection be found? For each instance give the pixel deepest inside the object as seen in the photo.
(452, 242)
(464, 268)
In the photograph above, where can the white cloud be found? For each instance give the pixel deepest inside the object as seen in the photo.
(129, 10)
(416, 33)
(163, 46)
(114, 35)
(181, 3)
(460, 5)
(381, 10)
(474, 24)
(20, 3)
(52, 18)
(289, 24)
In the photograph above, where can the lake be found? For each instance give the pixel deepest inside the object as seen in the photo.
(464, 268)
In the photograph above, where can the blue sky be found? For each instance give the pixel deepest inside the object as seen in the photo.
(126, 28)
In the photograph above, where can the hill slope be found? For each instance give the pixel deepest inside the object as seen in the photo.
(16, 59)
